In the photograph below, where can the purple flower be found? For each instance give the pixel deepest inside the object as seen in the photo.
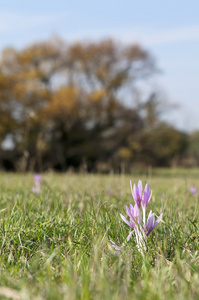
(151, 224)
(116, 247)
(37, 187)
(139, 198)
(193, 190)
(133, 213)
(109, 192)
(137, 193)
(138, 223)
(146, 196)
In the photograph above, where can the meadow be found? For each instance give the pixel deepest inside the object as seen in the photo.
(56, 244)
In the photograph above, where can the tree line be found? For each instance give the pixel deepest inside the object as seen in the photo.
(79, 105)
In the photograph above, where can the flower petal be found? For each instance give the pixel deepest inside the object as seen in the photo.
(158, 220)
(147, 189)
(131, 209)
(150, 220)
(146, 197)
(136, 211)
(128, 212)
(144, 200)
(135, 194)
(37, 179)
(129, 236)
(126, 221)
(150, 223)
(150, 228)
(140, 189)
(116, 247)
(149, 197)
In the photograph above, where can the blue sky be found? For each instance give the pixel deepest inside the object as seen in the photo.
(168, 29)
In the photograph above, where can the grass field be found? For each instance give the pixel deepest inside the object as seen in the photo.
(55, 245)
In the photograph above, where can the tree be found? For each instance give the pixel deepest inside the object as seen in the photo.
(102, 74)
(65, 103)
(162, 144)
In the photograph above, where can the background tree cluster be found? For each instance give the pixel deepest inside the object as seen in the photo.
(78, 106)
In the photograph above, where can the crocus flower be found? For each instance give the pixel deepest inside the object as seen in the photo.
(137, 193)
(109, 192)
(151, 224)
(146, 196)
(116, 247)
(141, 199)
(133, 213)
(138, 223)
(193, 190)
(37, 187)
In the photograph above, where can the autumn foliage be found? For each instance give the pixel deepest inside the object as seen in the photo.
(65, 105)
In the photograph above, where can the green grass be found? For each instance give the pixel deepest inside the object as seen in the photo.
(55, 245)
